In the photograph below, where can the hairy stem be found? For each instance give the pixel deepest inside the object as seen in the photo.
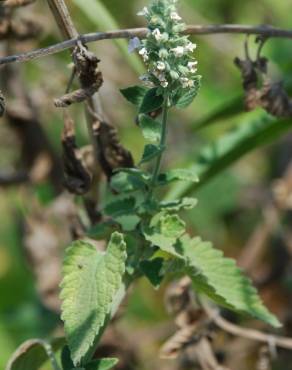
(161, 145)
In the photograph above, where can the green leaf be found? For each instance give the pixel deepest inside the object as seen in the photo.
(91, 281)
(152, 270)
(102, 364)
(188, 97)
(66, 361)
(178, 174)
(217, 156)
(123, 182)
(128, 222)
(150, 152)
(151, 101)
(32, 354)
(102, 230)
(222, 280)
(102, 19)
(145, 177)
(151, 129)
(134, 94)
(177, 205)
(121, 207)
(164, 231)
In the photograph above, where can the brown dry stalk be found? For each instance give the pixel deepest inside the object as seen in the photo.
(17, 3)
(268, 31)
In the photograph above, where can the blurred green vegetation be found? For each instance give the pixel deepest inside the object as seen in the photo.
(22, 316)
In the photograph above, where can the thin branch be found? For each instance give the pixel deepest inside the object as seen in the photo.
(267, 31)
(272, 340)
(63, 18)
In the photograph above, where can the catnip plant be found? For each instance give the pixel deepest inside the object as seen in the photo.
(146, 234)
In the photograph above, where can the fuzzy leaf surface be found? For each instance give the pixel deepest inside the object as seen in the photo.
(179, 174)
(91, 281)
(220, 279)
(164, 231)
(151, 129)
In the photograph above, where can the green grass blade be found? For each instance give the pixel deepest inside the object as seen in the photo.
(217, 156)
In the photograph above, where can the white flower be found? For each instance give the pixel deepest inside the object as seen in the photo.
(190, 47)
(144, 53)
(160, 66)
(157, 34)
(159, 75)
(164, 83)
(143, 12)
(178, 51)
(192, 66)
(186, 82)
(174, 16)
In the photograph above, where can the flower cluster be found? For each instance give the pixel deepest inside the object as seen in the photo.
(167, 53)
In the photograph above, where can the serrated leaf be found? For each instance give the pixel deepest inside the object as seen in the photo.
(163, 232)
(220, 278)
(152, 270)
(136, 172)
(187, 98)
(134, 94)
(179, 174)
(102, 364)
(33, 353)
(151, 129)
(177, 205)
(151, 101)
(123, 182)
(91, 281)
(150, 151)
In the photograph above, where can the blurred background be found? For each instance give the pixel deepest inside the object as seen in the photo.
(244, 208)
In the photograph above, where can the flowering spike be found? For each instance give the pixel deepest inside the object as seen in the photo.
(166, 52)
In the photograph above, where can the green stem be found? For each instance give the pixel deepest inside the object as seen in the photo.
(162, 146)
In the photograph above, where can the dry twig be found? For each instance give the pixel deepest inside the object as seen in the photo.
(267, 31)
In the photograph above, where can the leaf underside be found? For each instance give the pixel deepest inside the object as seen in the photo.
(91, 280)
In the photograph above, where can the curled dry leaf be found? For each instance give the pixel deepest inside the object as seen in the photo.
(47, 233)
(77, 178)
(259, 90)
(86, 64)
(112, 154)
(191, 321)
(20, 30)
